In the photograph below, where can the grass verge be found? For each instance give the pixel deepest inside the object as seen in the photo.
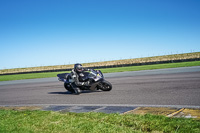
(106, 70)
(47, 121)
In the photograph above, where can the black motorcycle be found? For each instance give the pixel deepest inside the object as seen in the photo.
(96, 78)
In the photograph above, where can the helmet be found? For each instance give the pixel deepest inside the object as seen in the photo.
(78, 67)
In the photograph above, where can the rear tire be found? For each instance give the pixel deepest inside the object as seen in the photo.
(105, 86)
(69, 88)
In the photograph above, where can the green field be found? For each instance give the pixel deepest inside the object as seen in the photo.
(106, 70)
(54, 122)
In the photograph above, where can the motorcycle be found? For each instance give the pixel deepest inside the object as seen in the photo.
(96, 78)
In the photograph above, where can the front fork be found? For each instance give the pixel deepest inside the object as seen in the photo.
(99, 85)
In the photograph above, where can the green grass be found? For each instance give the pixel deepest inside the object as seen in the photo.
(151, 67)
(29, 76)
(106, 70)
(54, 122)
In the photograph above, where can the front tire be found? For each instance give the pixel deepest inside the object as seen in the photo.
(105, 86)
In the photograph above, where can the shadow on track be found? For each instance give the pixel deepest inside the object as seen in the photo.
(69, 93)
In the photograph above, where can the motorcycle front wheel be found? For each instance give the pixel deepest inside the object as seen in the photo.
(105, 86)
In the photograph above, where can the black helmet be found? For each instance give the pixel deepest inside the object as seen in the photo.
(78, 67)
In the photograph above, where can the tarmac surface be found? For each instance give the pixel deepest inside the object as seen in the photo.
(176, 89)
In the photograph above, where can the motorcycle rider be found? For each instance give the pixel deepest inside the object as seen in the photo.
(77, 75)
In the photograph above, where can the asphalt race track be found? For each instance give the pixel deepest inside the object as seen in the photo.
(164, 87)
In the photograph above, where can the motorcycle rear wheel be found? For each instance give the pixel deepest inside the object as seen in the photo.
(69, 88)
(105, 86)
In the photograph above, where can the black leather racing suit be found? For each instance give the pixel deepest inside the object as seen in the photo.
(77, 75)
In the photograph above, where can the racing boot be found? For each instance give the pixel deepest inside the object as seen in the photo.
(76, 90)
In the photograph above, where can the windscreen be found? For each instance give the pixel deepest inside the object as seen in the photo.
(92, 74)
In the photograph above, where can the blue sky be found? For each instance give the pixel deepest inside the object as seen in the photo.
(57, 32)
